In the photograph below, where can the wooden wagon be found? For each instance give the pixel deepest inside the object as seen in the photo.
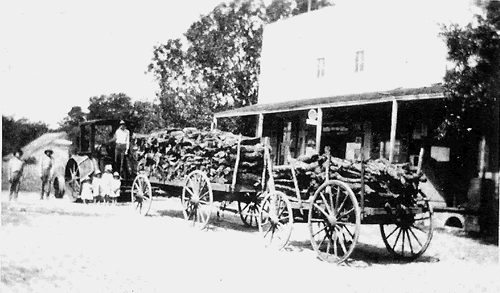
(334, 214)
(199, 195)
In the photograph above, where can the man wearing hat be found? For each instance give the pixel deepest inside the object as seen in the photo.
(47, 168)
(122, 140)
(15, 173)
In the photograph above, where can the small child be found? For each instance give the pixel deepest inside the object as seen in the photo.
(106, 183)
(86, 195)
(96, 187)
(115, 187)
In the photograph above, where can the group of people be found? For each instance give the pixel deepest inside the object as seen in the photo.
(101, 188)
(15, 173)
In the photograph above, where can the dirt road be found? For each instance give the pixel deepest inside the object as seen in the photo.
(59, 246)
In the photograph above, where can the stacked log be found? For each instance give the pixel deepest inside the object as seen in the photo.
(172, 154)
(384, 183)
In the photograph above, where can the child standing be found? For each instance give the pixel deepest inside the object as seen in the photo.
(106, 183)
(86, 195)
(96, 186)
(115, 187)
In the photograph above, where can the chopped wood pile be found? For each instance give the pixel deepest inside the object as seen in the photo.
(174, 153)
(384, 182)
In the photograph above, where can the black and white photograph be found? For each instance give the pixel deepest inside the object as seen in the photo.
(250, 146)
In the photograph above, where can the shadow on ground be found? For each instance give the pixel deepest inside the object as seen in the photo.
(364, 255)
(225, 220)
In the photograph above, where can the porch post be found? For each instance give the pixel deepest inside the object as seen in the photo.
(213, 125)
(319, 128)
(260, 125)
(394, 121)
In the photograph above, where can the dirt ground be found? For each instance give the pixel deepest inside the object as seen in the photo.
(59, 246)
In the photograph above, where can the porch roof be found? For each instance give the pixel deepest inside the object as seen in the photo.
(400, 94)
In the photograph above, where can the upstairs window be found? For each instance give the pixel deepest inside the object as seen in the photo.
(359, 62)
(320, 72)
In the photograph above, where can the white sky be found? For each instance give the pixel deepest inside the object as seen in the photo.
(58, 54)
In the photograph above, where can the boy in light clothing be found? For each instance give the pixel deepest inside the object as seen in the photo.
(106, 183)
(115, 187)
(86, 195)
(96, 187)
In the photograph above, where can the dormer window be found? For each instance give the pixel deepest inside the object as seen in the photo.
(320, 72)
(359, 62)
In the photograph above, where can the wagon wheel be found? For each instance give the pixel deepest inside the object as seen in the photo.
(249, 209)
(275, 219)
(197, 199)
(334, 221)
(141, 194)
(410, 236)
(73, 185)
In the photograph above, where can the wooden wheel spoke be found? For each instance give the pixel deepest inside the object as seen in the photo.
(397, 238)
(390, 234)
(343, 214)
(403, 243)
(418, 228)
(319, 231)
(409, 241)
(342, 204)
(344, 227)
(415, 236)
(200, 213)
(327, 204)
(324, 237)
(337, 197)
(342, 244)
(320, 209)
(335, 241)
(191, 192)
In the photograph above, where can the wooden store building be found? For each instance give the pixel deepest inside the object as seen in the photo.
(363, 83)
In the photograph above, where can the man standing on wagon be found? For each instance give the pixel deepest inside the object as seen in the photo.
(122, 140)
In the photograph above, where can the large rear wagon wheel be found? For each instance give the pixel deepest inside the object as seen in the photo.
(197, 199)
(411, 235)
(276, 219)
(141, 194)
(334, 221)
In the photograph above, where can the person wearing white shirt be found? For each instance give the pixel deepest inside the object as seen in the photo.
(122, 140)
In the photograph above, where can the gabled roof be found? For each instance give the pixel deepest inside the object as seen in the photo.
(409, 94)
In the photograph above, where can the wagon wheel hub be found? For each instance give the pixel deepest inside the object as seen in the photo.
(195, 200)
(332, 220)
(274, 219)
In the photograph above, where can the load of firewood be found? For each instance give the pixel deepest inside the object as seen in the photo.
(383, 182)
(174, 153)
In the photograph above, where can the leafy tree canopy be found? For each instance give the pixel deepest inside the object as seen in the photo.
(18, 133)
(473, 85)
(218, 66)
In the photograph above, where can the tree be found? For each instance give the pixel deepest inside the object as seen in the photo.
(473, 87)
(148, 116)
(219, 68)
(281, 9)
(18, 133)
(114, 106)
